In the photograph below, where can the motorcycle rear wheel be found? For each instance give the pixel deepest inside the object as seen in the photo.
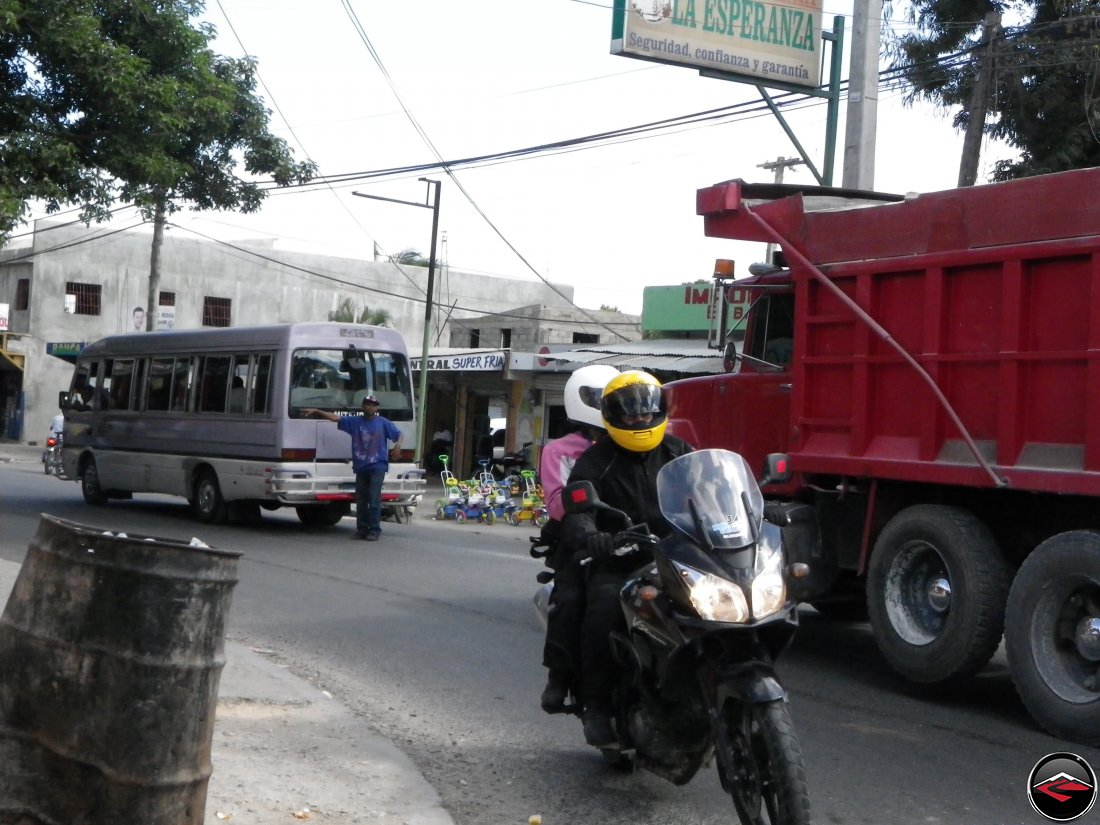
(763, 769)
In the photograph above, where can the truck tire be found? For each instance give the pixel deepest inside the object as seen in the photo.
(936, 591)
(1052, 635)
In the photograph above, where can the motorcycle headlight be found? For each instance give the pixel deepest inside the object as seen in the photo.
(769, 588)
(713, 598)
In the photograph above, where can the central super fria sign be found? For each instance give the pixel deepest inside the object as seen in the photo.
(775, 42)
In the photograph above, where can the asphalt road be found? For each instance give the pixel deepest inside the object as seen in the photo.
(429, 634)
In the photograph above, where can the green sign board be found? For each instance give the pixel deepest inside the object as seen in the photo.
(688, 307)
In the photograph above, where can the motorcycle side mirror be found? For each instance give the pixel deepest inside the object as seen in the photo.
(579, 497)
(777, 469)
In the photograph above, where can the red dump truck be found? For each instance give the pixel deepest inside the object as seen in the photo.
(931, 364)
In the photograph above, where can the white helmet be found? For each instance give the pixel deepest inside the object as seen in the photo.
(583, 391)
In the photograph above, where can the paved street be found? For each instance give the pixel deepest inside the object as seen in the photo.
(429, 636)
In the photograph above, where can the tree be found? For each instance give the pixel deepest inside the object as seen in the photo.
(412, 257)
(1044, 96)
(346, 313)
(123, 99)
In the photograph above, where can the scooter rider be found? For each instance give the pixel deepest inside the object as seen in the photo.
(561, 653)
(623, 469)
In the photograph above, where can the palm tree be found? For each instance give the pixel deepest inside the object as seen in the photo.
(347, 313)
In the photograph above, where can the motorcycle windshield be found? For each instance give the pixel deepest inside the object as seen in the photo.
(712, 497)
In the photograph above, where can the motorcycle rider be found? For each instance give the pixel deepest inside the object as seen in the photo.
(623, 469)
(561, 653)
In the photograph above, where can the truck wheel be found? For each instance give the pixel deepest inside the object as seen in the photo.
(1052, 635)
(90, 486)
(936, 590)
(209, 506)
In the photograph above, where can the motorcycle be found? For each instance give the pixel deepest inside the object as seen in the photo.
(705, 622)
(51, 456)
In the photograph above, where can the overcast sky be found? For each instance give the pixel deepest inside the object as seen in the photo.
(485, 76)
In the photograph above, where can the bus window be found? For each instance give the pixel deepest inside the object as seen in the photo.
(159, 390)
(261, 385)
(122, 381)
(213, 383)
(181, 384)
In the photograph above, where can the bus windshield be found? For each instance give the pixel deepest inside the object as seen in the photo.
(338, 380)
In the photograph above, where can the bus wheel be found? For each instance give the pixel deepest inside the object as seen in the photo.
(1052, 635)
(210, 507)
(936, 590)
(323, 515)
(90, 486)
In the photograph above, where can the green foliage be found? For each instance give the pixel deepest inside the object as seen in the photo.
(105, 100)
(1045, 98)
(347, 313)
(608, 308)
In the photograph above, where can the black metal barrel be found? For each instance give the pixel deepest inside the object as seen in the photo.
(111, 648)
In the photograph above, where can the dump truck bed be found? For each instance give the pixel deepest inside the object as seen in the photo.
(994, 292)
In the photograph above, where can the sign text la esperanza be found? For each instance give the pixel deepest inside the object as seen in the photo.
(750, 20)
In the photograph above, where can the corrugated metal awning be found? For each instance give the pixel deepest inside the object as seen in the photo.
(685, 357)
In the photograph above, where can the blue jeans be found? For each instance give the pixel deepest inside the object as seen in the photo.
(368, 501)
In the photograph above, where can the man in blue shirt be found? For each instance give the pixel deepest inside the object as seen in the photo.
(370, 434)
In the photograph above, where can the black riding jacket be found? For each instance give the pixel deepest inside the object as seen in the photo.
(625, 480)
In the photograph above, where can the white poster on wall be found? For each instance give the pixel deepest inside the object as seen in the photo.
(4, 317)
(166, 318)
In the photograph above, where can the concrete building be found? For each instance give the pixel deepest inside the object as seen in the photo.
(69, 284)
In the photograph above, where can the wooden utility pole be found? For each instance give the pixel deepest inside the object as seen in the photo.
(979, 101)
(779, 165)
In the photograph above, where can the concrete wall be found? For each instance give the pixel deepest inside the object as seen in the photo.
(533, 325)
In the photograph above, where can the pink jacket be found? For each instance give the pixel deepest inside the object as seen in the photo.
(555, 464)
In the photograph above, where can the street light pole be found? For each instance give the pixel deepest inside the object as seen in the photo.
(422, 392)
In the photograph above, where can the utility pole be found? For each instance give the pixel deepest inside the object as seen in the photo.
(860, 129)
(779, 165)
(422, 396)
(979, 101)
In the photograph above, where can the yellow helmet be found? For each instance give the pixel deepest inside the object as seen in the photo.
(633, 410)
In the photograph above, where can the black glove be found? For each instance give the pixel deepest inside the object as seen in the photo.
(599, 545)
(776, 513)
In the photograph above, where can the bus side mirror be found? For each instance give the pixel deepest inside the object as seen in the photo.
(579, 497)
(777, 469)
(63, 402)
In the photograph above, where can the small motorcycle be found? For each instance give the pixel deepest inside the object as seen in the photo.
(705, 622)
(51, 456)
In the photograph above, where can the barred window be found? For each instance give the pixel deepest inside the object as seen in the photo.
(216, 312)
(85, 299)
(167, 299)
(22, 294)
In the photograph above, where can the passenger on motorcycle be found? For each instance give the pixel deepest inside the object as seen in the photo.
(623, 469)
(561, 653)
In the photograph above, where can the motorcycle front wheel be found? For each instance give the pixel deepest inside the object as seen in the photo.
(761, 764)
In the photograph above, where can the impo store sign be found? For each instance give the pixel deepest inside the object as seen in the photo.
(776, 42)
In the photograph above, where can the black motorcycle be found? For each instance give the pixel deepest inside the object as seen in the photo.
(705, 622)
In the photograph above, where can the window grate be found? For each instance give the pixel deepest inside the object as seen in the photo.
(86, 298)
(167, 299)
(216, 312)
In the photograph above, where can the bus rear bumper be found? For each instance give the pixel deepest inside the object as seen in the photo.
(404, 486)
